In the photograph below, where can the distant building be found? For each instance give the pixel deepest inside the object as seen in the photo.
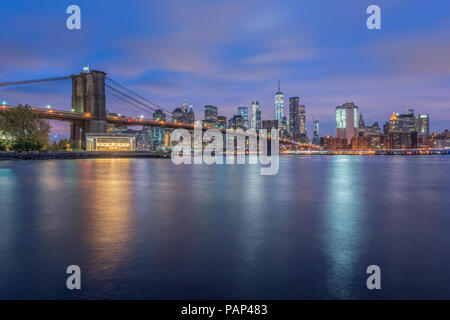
(302, 119)
(316, 138)
(442, 140)
(422, 124)
(236, 122)
(269, 125)
(178, 115)
(409, 123)
(279, 104)
(294, 116)
(347, 121)
(243, 112)
(158, 132)
(256, 116)
(190, 116)
(182, 115)
(222, 122)
(386, 128)
(211, 113)
(365, 131)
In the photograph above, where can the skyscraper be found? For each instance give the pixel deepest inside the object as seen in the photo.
(316, 138)
(347, 121)
(302, 119)
(256, 116)
(243, 112)
(294, 116)
(279, 104)
(158, 132)
(211, 114)
(222, 122)
(184, 106)
(422, 124)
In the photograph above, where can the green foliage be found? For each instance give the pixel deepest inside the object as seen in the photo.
(3, 144)
(26, 144)
(63, 145)
(27, 130)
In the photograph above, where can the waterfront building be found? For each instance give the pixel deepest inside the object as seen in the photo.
(347, 121)
(279, 104)
(256, 116)
(110, 142)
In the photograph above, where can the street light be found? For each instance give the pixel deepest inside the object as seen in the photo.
(4, 103)
(49, 106)
(142, 117)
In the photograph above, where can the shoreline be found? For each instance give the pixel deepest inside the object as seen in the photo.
(65, 155)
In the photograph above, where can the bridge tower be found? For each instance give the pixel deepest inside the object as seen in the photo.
(88, 96)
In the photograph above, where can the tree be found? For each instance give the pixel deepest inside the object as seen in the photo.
(27, 130)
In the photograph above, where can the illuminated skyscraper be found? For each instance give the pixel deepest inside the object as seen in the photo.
(210, 115)
(158, 132)
(316, 138)
(302, 118)
(256, 116)
(422, 124)
(294, 116)
(184, 106)
(347, 121)
(243, 112)
(279, 104)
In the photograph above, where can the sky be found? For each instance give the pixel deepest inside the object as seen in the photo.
(229, 53)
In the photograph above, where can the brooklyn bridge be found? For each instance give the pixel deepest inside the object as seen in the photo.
(87, 108)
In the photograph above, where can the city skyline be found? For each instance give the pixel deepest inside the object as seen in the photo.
(235, 61)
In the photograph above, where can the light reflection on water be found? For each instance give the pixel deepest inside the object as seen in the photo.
(145, 228)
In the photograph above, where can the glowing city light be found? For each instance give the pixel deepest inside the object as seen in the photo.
(49, 106)
(4, 103)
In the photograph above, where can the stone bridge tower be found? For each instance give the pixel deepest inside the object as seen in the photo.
(88, 96)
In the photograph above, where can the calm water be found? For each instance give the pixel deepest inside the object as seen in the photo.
(145, 228)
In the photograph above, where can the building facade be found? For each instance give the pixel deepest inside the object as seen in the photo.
(256, 116)
(279, 104)
(294, 116)
(243, 112)
(347, 121)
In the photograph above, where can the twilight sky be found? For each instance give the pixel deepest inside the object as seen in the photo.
(228, 53)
